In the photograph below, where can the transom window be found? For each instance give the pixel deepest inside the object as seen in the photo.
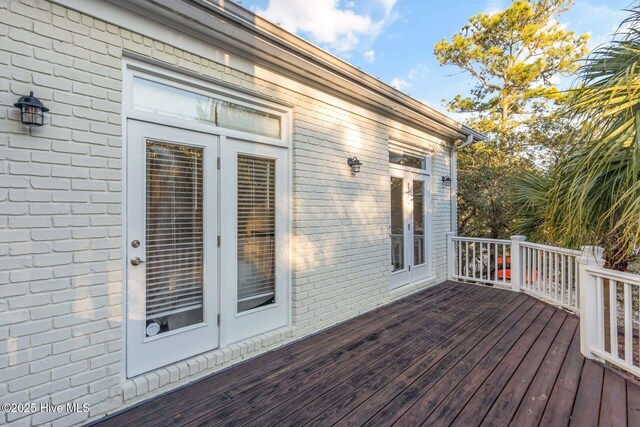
(405, 159)
(162, 100)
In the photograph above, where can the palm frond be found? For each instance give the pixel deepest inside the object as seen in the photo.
(593, 195)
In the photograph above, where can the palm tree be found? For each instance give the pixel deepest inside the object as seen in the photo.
(593, 194)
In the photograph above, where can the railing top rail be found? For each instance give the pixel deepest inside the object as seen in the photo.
(620, 276)
(479, 239)
(550, 248)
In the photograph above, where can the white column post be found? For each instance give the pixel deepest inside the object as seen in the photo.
(451, 255)
(591, 256)
(517, 264)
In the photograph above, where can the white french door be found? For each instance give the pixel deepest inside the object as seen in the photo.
(410, 228)
(254, 198)
(172, 259)
(204, 237)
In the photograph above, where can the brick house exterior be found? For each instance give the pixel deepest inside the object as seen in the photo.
(64, 246)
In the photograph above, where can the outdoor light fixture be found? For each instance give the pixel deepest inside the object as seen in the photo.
(31, 110)
(355, 164)
(446, 180)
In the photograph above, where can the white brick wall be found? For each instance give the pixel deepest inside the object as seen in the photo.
(61, 224)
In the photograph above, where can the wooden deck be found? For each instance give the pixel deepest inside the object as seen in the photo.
(455, 354)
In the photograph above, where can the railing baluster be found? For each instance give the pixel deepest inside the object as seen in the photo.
(525, 266)
(459, 258)
(556, 277)
(473, 265)
(613, 318)
(563, 277)
(539, 270)
(466, 259)
(600, 312)
(504, 264)
(529, 269)
(533, 270)
(549, 275)
(541, 273)
(545, 273)
(481, 261)
(495, 259)
(570, 290)
(628, 325)
(529, 263)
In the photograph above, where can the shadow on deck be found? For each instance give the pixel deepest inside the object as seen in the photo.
(454, 354)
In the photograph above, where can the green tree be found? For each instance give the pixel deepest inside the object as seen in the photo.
(514, 57)
(592, 197)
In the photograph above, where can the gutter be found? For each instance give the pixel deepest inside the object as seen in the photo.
(469, 141)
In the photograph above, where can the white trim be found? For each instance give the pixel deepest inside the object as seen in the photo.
(125, 230)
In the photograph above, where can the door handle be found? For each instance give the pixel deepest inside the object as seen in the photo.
(136, 261)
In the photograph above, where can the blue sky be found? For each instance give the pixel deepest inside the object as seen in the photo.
(394, 39)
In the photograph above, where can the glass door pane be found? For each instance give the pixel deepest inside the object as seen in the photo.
(174, 236)
(256, 232)
(397, 224)
(418, 223)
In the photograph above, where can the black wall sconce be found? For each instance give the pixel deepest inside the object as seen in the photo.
(31, 110)
(446, 180)
(355, 164)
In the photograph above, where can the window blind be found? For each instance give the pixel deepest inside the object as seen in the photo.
(256, 231)
(174, 229)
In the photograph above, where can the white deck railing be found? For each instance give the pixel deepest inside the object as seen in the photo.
(480, 260)
(551, 273)
(607, 301)
(611, 315)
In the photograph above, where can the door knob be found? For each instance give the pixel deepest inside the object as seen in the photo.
(136, 261)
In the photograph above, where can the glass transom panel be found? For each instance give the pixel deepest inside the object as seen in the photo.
(405, 159)
(163, 100)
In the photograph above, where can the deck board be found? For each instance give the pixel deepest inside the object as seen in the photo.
(511, 396)
(453, 354)
(586, 410)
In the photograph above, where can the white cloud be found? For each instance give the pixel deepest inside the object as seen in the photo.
(328, 23)
(400, 83)
(370, 56)
(494, 6)
(420, 71)
(388, 5)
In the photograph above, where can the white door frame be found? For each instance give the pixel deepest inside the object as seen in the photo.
(156, 72)
(148, 353)
(411, 273)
